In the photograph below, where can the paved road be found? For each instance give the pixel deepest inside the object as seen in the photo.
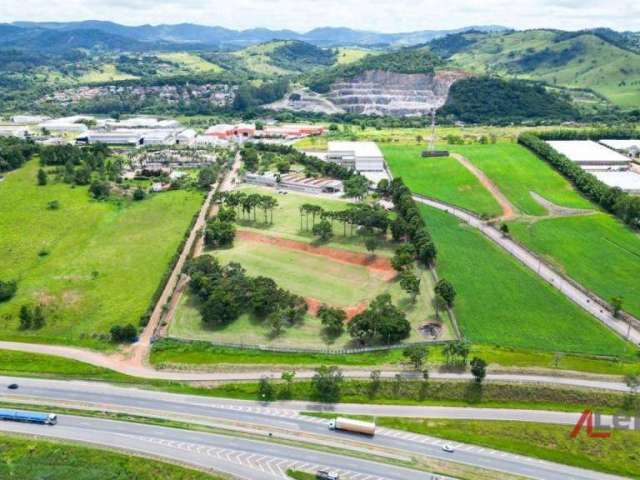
(542, 269)
(240, 457)
(285, 418)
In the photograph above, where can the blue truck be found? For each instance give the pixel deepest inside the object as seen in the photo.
(28, 417)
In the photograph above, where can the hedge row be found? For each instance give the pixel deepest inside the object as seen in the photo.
(624, 206)
(416, 227)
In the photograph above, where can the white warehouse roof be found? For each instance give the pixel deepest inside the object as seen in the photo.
(627, 180)
(586, 151)
(623, 145)
(359, 149)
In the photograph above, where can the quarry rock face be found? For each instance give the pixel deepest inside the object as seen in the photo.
(377, 92)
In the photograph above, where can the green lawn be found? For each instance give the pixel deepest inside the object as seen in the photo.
(617, 454)
(287, 220)
(90, 264)
(500, 302)
(333, 283)
(517, 172)
(31, 458)
(105, 73)
(595, 250)
(190, 62)
(443, 178)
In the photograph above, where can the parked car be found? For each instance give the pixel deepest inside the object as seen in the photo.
(327, 475)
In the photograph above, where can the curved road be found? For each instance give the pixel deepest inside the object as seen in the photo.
(540, 268)
(285, 419)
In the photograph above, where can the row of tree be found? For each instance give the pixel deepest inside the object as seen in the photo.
(626, 207)
(245, 204)
(227, 291)
(14, 152)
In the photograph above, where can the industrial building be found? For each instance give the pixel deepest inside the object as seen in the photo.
(627, 147)
(288, 131)
(67, 124)
(360, 156)
(115, 137)
(588, 153)
(627, 180)
(28, 119)
(186, 137)
(229, 132)
(295, 181)
(13, 131)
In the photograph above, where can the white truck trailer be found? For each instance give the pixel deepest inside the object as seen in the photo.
(355, 426)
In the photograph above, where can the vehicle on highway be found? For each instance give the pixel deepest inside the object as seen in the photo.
(327, 475)
(28, 417)
(13, 386)
(447, 447)
(355, 426)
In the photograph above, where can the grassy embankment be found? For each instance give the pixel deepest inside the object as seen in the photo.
(30, 458)
(90, 264)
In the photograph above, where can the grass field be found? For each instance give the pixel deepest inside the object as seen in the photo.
(91, 264)
(286, 220)
(105, 73)
(31, 458)
(443, 178)
(517, 172)
(327, 281)
(190, 62)
(500, 302)
(349, 55)
(595, 250)
(616, 455)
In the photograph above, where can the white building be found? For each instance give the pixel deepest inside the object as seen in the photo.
(588, 153)
(28, 119)
(629, 147)
(67, 124)
(159, 137)
(13, 131)
(115, 137)
(210, 141)
(295, 181)
(628, 181)
(360, 156)
(186, 137)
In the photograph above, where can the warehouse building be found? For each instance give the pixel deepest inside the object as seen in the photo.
(627, 180)
(186, 137)
(115, 137)
(359, 156)
(626, 147)
(295, 181)
(587, 153)
(28, 119)
(13, 131)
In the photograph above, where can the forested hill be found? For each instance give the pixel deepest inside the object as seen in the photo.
(407, 60)
(604, 61)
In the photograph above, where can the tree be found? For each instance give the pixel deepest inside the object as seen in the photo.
(265, 390)
(332, 320)
(219, 234)
(207, 177)
(374, 384)
(326, 384)
(139, 194)
(617, 302)
(38, 317)
(356, 187)
(26, 317)
(417, 354)
(439, 305)
(446, 291)
(100, 190)
(403, 257)
(42, 177)
(383, 187)
(221, 308)
(478, 369)
(504, 228)
(124, 334)
(323, 230)
(632, 381)
(276, 323)
(381, 322)
(410, 283)
(288, 379)
(372, 244)
(8, 289)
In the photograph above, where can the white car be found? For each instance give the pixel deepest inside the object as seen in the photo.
(447, 447)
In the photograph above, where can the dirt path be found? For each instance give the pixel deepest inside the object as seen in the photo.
(136, 354)
(377, 265)
(508, 210)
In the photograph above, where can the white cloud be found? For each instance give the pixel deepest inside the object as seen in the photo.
(302, 15)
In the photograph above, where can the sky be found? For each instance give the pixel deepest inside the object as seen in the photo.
(304, 15)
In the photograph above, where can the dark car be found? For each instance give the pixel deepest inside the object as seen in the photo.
(13, 386)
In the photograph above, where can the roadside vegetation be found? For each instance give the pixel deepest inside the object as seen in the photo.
(30, 458)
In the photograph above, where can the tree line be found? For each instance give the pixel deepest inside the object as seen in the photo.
(624, 206)
(14, 152)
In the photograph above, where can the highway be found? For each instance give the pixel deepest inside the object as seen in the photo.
(284, 419)
(542, 269)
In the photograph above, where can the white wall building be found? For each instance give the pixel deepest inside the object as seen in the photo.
(13, 131)
(115, 137)
(628, 181)
(628, 147)
(586, 152)
(186, 137)
(360, 156)
(28, 119)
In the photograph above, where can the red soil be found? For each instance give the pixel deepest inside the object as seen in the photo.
(351, 311)
(380, 266)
